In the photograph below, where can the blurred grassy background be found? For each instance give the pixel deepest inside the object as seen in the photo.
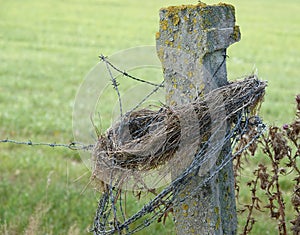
(47, 48)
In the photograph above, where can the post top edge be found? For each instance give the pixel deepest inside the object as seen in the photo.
(200, 5)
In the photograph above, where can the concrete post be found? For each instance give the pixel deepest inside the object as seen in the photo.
(191, 44)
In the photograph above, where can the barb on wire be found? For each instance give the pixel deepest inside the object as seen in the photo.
(114, 82)
(103, 58)
(72, 145)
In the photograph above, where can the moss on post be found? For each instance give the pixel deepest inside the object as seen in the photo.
(191, 44)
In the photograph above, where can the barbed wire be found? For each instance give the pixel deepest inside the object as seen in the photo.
(72, 145)
(104, 59)
(155, 208)
(110, 218)
(89, 147)
(116, 84)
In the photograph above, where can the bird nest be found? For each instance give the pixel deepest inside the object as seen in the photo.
(148, 138)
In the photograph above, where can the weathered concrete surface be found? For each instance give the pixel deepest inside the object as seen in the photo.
(191, 44)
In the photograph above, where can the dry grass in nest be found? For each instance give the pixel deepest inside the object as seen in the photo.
(146, 139)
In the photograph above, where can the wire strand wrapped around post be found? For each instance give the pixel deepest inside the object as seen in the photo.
(120, 155)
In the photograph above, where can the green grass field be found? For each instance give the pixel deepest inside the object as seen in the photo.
(47, 48)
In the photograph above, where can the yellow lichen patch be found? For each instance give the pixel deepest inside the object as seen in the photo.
(172, 10)
(167, 97)
(228, 189)
(190, 74)
(225, 176)
(225, 5)
(236, 33)
(171, 92)
(194, 20)
(200, 60)
(185, 207)
(157, 35)
(192, 86)
(218, 223)
(206, 23)
(202, 86)
(160, 52)
(168, 43)
(173, 103)
(175, 20)
(216, 210)
(164, 24)
(199, 44)
(185, 214)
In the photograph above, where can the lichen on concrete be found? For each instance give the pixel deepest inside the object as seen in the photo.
(191, 44)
